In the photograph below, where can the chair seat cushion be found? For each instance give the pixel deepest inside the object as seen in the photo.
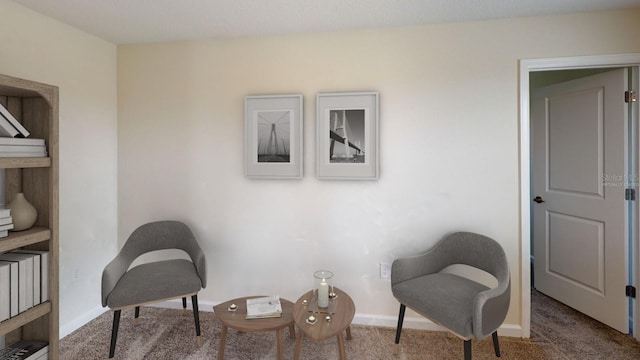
(153, 282)
(446, 299)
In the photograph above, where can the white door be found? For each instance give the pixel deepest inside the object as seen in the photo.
(579, 141)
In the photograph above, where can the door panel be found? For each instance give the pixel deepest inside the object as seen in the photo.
(575, 141)
(584, 239)
(579, 139)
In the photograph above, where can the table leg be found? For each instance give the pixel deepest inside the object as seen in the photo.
(296, 356)
(292, 331)
(349, 333)
(223, 339)
(280, 343)
(343, 354)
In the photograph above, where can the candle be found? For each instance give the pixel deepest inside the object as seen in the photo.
(323, 294)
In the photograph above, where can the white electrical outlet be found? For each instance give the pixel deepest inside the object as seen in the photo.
(385, 270)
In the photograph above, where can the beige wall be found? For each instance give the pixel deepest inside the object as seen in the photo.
(449, 147)
(448, 141)
(84, 68)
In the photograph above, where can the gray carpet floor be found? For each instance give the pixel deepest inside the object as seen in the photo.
(557, 332)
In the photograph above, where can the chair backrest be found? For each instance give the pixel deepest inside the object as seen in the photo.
(159, 235)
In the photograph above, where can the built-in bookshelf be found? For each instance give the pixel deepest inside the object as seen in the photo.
(35, 106)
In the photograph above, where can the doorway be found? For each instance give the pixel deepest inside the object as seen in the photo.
(579, 129)
(583, 66)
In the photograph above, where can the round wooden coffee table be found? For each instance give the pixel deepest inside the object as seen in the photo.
(341, 310)
(236, 320)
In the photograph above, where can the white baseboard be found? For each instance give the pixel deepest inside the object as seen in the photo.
(206, 306)
(418, 323)
(80, 321)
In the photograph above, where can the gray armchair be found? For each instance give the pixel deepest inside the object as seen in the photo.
(124, 288)
(463, 306)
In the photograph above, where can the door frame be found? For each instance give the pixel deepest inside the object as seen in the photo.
(562, 63)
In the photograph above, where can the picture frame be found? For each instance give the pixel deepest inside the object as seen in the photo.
(356, 155)
(273, 136)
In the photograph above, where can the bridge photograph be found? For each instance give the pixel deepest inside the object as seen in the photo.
(274, 136)
(346, 136)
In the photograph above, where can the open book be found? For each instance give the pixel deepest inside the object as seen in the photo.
(264, 307)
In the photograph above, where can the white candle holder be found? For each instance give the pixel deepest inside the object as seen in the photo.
(323, 286)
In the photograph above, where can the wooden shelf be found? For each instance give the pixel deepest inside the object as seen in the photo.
(23, 238)
(24, 162)
(24, 318)
(36, 106)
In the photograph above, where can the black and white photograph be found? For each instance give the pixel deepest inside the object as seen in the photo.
(273, 136)
(347, 136)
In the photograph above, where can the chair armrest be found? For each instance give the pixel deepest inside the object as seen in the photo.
(408, 268)
(112, 274)
(200, 263)
(490, 308)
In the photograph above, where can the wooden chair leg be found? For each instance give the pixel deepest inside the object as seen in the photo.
(396, 346)
(114, 333)
(196, 317)
(496, 344)
(184, 305)
(467, 350)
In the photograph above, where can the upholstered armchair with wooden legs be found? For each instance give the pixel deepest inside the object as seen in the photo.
(432, 285)
(124, 288)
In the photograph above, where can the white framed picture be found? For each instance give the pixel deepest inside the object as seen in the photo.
(347, 136)
(273, 136)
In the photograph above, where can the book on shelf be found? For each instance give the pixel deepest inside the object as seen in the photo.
(42, 259)
(4, 212)
(26, 350)
(264, 307)
(25, 278)
(6, 129)
(6, 227)
(12, 287)
(6, 220)
(22, 148)
(21, 141)
(13, 121)
(36, 275)
(23, 154)
(5, 291)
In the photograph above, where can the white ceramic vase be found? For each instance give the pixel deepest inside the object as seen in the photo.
(24, 215)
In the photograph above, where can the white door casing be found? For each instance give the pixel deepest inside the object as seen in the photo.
(579, 140)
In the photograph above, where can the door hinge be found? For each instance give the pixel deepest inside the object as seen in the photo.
(630, 291)
(630, 96)
(629, 194)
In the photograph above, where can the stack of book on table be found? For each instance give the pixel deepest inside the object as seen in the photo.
(26, 350)
(6, 222)
(264, 307)
(24, 281)
(13, 138)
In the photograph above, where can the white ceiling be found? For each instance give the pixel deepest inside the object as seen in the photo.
(141, 21)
